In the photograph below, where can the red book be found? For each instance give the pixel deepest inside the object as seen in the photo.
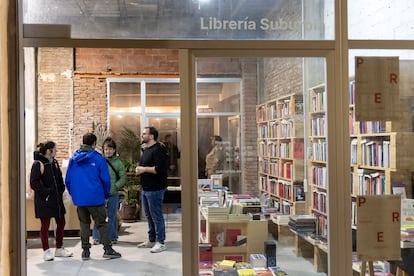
(236, 258)
(231, 236)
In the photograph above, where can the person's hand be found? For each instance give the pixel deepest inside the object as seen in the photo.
(139, 170)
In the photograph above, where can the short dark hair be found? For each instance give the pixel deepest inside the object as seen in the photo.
(153, 131)
(109, 142)
(89, 139)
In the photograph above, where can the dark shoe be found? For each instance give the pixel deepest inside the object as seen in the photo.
(114, 241)
(86, 254)
(111, 254)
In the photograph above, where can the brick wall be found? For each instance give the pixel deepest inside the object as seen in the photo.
(249, 127)
(54, 101)
(282, 76)
(87, 91)
(127, 61)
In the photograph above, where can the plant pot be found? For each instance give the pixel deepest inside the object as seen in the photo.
(130, 212)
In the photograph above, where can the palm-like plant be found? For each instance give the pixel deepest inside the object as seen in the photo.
(129, 151)
(101, 133)
(130, 146)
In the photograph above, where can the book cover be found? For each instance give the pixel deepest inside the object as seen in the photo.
(235, 258)
(206, 252)
(241, 240)
(298, 150)
(246, 272)
(216, 237)
(407, 212)
(231, 236)
(398, 188)
(227, 264)
(263, 271)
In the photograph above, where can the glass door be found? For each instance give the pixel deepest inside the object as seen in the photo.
(271, 130)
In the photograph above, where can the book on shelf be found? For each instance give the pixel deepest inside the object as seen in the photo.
(298, 150)
(238, 217)
(227, 264)
(241, 240)
(298, 106)
(217, 237)
(398, 188)
(242, 265)
(231, 236)
(205, 252)
(298, 192)
(262, 271)
(280, 219)
(257, 260)
(407, 214)
(236, 258)
(407, 244)
(205, 265)
(246, 272)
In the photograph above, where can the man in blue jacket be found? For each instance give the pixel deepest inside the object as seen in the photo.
(89, 183)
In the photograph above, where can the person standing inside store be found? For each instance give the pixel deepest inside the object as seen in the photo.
(152, 169)
(214, 157)
(47, 182)
(173, 155)
(118, 178)
(89, 183)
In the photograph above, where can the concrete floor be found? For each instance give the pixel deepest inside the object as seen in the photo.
(134, 261)
(137, 261)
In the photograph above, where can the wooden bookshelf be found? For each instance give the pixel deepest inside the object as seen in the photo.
(280, 148)
(215, 232)
(381, 152)
(317, 160)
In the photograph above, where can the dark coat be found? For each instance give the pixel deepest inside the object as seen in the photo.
(48, 188)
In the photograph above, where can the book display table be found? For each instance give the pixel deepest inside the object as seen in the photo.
(312, 249)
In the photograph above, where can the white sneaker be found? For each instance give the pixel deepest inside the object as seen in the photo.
(48, 255)
(146, 244)
(158, 247)
(63, 252)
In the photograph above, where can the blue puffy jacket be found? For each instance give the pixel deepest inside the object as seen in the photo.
(87, 178)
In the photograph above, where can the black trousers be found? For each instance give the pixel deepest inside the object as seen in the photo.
(98, 214)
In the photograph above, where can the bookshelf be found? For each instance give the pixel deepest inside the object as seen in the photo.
(222, 234)
(317, 159)
(381, 152)
(281, 153)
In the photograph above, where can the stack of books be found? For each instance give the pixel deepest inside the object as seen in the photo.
(304, 224)
(281, 219)
(215, 213)
(407, 236)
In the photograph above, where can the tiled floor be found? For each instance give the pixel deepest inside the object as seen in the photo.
(136, 261)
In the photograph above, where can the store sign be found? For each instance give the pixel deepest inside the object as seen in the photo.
(378, 232)
(377, 88)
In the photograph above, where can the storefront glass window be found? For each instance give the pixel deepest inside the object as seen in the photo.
(184, 19)
(385, 19)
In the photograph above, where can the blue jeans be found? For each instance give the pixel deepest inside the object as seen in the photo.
(113, 206)
(152, 203)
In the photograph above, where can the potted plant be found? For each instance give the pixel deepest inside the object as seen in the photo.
(131, 204)
(129, 150)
